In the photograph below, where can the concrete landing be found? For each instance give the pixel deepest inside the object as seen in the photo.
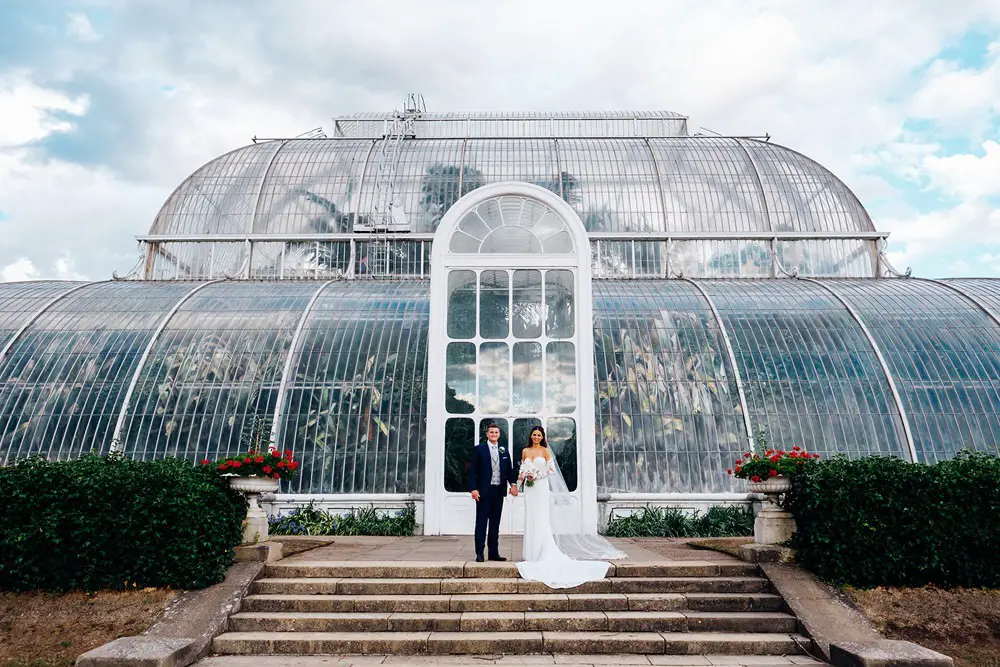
(442, 548)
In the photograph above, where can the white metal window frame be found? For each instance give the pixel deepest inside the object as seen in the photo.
(443, 261)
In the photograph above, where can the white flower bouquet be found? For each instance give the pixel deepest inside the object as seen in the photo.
(529, 473)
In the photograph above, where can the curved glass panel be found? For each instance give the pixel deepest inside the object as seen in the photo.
(357, 400)
(668, 414)
(708, 184)
(216, 366)
(219, 198)
(809, 374)
(311, 188)
(526, 160)
(612, 184)
(63, 382)
(428, 181)
(801, 195)
(944, 354)
(19, 301)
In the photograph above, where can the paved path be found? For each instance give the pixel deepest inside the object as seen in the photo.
(445, 548)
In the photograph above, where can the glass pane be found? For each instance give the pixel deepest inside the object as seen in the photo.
(494, 306)
(494, 373)
(510, 240)
(528, 376)
(560, 377)
(561, 436)
(560, 310)
(459, 443)
(561, 243)
(460, 382)
(522, 429)
(461, 304)
(504, 440)
(527, 319)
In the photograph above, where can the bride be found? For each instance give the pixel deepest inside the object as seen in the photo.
(567, 558)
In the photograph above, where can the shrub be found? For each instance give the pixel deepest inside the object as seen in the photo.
(310, 520)
(880, 521)
(718, 521)
(112, 523)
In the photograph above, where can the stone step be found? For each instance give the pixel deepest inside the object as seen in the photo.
(518, 643)
(581, 660)
(491, 570)
(579, 621)
(475, 586)
(517, 602)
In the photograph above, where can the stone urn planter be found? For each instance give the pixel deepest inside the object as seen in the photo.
(773, 524)
(255, 526)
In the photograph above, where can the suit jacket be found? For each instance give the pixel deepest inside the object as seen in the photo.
(481, 469)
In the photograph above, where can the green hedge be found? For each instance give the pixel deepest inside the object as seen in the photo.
(885, 522)
(114, 523)
(718, 521)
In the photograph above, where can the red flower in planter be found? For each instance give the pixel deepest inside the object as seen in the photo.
(769, 462)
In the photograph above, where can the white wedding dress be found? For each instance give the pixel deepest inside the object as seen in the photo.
(543, 560)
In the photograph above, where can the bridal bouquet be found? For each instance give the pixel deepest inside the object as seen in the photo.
(528, 473)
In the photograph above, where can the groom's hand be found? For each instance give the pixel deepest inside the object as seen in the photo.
(513, 490)
(475, 496)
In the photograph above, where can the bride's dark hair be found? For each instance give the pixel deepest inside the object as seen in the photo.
(543, 443)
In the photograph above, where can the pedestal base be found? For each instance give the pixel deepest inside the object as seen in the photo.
(773, 525)
(255, 526)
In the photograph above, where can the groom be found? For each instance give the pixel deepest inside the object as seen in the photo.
(490, 474)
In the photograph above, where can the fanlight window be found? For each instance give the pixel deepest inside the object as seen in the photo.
(511, 225)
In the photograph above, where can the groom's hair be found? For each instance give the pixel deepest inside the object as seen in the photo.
(492, 425)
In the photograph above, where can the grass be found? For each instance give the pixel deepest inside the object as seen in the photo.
(963, 623)
(50, 630)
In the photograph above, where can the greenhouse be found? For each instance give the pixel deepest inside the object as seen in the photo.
(371, 298)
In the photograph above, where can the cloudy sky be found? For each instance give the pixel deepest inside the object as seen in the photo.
(105, 106)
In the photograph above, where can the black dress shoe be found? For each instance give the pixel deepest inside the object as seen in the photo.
(479, 559)
(497, 558)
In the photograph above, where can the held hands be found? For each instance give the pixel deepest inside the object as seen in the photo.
(513, 489)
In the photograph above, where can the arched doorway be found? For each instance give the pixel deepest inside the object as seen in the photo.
(511, 342)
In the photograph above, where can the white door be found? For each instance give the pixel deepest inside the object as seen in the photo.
(511, 344)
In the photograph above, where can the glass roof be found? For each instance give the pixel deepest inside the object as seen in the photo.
(625, 184)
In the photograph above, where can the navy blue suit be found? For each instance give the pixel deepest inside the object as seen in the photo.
(490, 505)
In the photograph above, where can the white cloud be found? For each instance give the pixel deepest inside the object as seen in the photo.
(79, 27)
(20, 269)
(919, 237)
(184, 82)
(953, 95)
(966, 175)
(28, 110)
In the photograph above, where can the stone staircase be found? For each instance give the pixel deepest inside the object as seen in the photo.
(427, 608)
